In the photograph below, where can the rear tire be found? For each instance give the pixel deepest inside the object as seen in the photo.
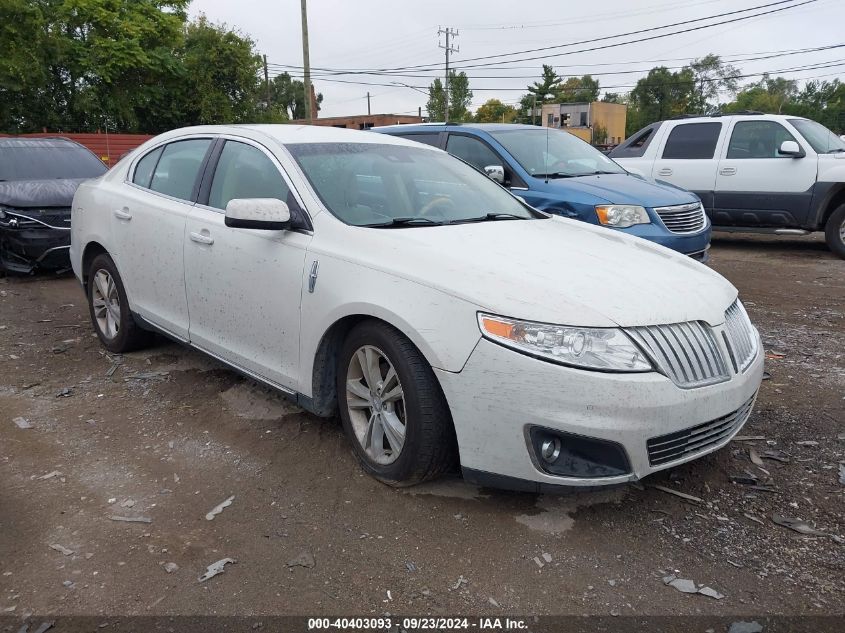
(834, 231)
(109, 309)
(392, 408)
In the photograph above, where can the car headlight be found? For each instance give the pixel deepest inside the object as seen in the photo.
(603, 349)
(621, 216)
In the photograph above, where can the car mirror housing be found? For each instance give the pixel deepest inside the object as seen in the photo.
(257, 213)
(496, 173)
(790, 148)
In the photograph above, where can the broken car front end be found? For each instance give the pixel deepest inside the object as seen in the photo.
(34, 238)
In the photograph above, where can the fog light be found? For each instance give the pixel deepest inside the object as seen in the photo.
(568, 455)
(550, 449)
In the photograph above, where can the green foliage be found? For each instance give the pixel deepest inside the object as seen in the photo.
(288, 97)
(599, 134)
(553, 89)
(578, 90)
(660, 95)
(130, 65)
(494, 111)
(711, 75)
(460, 96)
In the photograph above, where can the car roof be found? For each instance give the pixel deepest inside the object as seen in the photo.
(286, 133)
(484, 127)
(688, 118)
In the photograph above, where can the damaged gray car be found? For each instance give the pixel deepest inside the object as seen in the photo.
(38, 177)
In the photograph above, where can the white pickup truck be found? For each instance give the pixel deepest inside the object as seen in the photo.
(753, 172)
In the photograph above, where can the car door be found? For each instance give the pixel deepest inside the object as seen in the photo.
(148, 225)
(758, 186)
(244, 285)
(687, 158)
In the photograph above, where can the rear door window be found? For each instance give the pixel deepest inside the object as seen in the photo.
(428, 138)
(692, 141)
(178, 167)
(144, 168)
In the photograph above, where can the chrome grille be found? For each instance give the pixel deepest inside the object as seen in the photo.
(685, 352)
(685, 218)
(668, 448)
(742, 338)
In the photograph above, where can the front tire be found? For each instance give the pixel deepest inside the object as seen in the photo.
(834, 231)
(109, 309)
(392, 408)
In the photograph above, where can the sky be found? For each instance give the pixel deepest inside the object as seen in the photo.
(368, 35)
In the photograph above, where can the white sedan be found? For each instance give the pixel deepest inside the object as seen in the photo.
(446, 321)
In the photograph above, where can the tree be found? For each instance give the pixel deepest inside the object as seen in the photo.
(288, 95)
(660, 95)
(768, 95)
(549, 84)
(578, 90)
(711, 75)
(494, 111)
(460, 96)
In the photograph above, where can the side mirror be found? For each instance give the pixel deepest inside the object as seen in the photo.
(495, 172)
(257, 213)
(790, 148)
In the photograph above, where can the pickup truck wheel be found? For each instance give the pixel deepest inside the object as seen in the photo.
(109, 309)
(392, 408)
(834, 231)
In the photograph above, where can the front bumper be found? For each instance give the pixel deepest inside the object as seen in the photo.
(28, 245)
(501, 394)
(695, 245)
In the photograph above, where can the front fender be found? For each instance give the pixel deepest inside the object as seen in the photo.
(444, 328)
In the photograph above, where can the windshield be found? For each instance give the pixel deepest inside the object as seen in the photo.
(48, 162)
(369, 184)
(818, 136)
(564, 155)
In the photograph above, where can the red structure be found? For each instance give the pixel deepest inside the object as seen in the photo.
(109, 148)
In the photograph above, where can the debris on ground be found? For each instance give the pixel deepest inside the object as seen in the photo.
(755, 457)
(216, 568)
(219, 508)
(50, 475)
(60, 548)
(842, 473)
(22, 423)
(547, 557)
(461, 582)
(807, 443)
(137, 519)
(745, 627)
(745, 480)
(65, 392)
(767, 375)
(802, 527)
(128, 503)
(778, 456)
(685, 585)
(492, 601)
(752, 518)
(147, 375)
(540, 563)
(677, 493)
(41, 628)
(170, 567)
(410, 566)
(305, 559)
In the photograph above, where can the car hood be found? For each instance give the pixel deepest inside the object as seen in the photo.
(39, 193)
(555, 271)
(622, 189)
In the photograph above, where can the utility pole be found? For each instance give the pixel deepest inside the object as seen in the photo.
(267, 83)
(368, 104)
(450, 48)
(306, 64)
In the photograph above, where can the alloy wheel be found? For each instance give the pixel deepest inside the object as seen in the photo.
(106, 302)
(376, 404)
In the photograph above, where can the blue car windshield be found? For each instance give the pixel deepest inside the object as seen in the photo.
(546, 152)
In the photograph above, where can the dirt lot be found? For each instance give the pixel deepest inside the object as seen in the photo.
(168, 434)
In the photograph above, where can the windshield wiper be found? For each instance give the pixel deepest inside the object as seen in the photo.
(400, 222)
(490, 217)
(557, 174)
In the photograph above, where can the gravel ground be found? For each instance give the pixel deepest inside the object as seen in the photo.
(167, 435)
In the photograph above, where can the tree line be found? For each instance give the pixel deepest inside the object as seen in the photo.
(131, 66)
(663, 93)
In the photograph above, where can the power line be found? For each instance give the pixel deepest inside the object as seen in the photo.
(435, 67)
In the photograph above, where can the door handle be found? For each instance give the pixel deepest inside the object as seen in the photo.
(122, 214)
(199, 238)
(727, 171)
(665, 171)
